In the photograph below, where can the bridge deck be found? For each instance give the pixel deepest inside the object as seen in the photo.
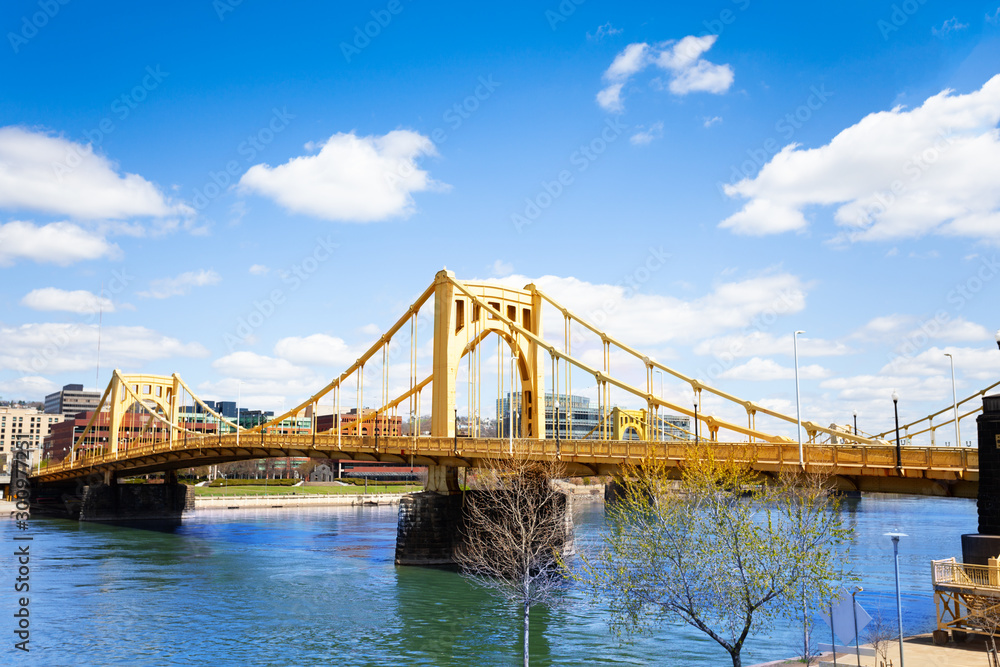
(926, 470)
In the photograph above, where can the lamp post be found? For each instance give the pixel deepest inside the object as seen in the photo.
(659, 420)
(855, 422)
(557, 427)
(239, 391)
(954, 400)
(798, 411)
(854, 608)
(696, 418)
(510, 402)
(895, 410)
(899, 603)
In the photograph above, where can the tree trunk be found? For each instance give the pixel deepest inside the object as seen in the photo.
(737, 660)
(527, 609)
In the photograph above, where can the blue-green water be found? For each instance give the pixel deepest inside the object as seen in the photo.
(318, 587)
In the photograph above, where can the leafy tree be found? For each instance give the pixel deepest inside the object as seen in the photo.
(718, 549)
(515, 528)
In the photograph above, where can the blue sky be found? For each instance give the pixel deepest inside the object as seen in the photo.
(830, 169)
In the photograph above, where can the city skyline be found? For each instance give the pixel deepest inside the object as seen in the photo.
(250, 198)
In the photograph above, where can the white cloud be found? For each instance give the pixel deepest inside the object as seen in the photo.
(501, 268)
(163, 288)
(75, 301)
(981, 364)
(651, 319)
(259, 270)
(606, 30)
(948, 27)
(647, 135)
(692, 73)
(714, 120)
(351, 179)
(763, 343)
(317, 350)
(766, 369)
(682, 60)
(252, 366)
(51, 174)
(27, 387)
(610, 98)
(894, 174)
(60, 243)
(630, 61)
(52, 347)
(994, 18)
(905, 328)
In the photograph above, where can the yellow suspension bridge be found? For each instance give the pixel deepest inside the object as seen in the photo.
(142, 424)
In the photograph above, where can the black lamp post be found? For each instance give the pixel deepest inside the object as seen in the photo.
(895, 409)
(557, 427)
(855, 422)
(696, 418)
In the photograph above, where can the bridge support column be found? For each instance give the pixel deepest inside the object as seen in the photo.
(978, 547)
(442, 479)
(431, 527)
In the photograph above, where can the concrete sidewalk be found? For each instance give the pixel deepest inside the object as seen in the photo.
(918, 651)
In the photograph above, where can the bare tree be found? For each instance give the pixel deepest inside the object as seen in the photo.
(984, 612)
(719, 550)
(515, 529)
(881, 634)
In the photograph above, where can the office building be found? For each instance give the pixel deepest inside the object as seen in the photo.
(71, 399)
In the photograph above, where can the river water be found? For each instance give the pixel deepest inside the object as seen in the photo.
(318, 586)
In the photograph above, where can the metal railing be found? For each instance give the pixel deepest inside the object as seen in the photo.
(947, 572)
(856, 458)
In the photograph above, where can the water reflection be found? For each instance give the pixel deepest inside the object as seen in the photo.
(317, 586)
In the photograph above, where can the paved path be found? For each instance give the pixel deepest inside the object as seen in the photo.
(919, 651)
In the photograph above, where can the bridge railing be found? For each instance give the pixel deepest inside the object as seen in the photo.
(948, 572)
(838, 457)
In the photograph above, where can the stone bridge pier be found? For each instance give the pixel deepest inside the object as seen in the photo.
(432, 523)
(105, 500)
(978, 547)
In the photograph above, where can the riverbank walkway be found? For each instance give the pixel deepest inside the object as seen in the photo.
(918, 651)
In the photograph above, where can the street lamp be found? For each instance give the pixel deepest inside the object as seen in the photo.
(659, 419)
(557, 427)
(855, 422)
(899, 603)
(954, 399)
(696, 418)
(854, 608)
(798, 411)
(510, 402)
(895, 409)
(239, 391)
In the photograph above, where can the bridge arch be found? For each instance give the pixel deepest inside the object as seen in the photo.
(460, 324)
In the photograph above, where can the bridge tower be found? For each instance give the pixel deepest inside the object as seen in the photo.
(463, 317)
(158, 392)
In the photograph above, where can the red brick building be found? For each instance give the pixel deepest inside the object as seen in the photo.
(62, 435)
(371, 425)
